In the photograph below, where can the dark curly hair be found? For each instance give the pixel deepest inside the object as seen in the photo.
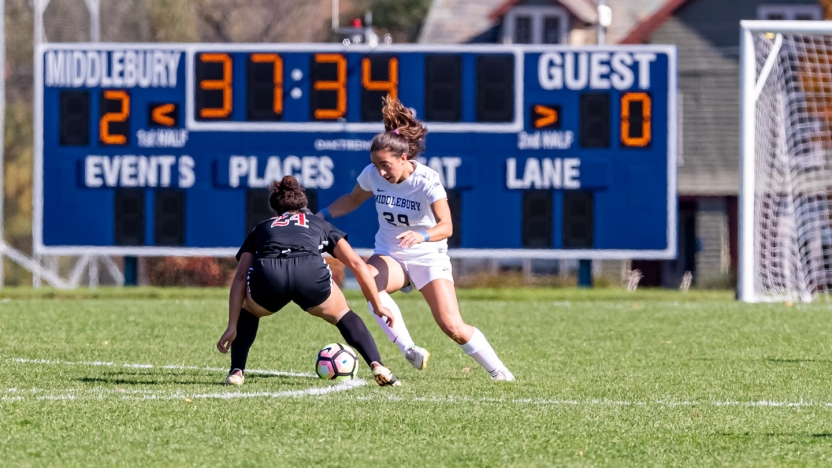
(287, 195)
(403, 133)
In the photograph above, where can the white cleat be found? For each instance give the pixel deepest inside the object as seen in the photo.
(384, 377)
(417, 356)
(235, 378)
(502, 375)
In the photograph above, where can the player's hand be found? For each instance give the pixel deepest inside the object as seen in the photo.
(224, 344)
(385, 313)
(409, 239)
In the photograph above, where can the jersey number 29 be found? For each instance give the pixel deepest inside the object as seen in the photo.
(402, 218)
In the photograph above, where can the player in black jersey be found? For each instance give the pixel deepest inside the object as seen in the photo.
(280, 261)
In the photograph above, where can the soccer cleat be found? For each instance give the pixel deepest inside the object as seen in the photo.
(384, 377)
(502, 375)
(235, 378)
(417, 356)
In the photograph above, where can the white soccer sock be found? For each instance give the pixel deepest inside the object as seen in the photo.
(398, 334)
(480, 349)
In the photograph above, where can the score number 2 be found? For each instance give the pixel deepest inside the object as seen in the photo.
(114, 124)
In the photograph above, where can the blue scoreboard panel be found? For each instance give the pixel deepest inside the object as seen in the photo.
(166, 149)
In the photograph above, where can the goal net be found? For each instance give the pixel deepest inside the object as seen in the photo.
(786, 195)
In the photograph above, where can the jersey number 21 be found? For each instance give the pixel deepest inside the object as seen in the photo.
(297, 218)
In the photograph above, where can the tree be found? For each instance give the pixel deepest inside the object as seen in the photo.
(402, 19)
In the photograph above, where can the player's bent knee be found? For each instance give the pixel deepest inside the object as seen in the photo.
(455, 330)
(333, 308)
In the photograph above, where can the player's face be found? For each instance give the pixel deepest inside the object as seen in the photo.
(391, 166)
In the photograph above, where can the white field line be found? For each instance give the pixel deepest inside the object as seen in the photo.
(169, 366)
(315, 391)
(14, 394)
(18, 394)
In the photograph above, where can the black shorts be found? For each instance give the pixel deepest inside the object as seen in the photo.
(303, 279)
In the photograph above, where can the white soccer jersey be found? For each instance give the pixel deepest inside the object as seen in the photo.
(404, 207)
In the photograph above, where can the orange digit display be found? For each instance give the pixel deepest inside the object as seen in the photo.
(277, 102)
(116, 117)
(392, 83)
(635, 124)
(339, 85)
(223, 84)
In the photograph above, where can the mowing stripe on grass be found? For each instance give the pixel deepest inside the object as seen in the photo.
(168, 366)
(18, 394)
(595, 402)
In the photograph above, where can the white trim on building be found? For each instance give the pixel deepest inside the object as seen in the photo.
(789, 12)
(537, 15)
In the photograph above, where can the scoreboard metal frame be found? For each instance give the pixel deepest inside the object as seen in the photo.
(365, 130)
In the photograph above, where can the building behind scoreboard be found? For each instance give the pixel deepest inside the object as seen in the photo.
(707, 34)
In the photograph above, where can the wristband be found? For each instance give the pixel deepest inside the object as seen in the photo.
(327, 215)
(425, 235)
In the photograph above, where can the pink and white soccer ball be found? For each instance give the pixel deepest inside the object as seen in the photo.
(337, 361)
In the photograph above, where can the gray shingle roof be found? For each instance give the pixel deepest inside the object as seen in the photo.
(455, 21)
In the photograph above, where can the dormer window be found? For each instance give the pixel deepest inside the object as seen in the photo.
(535, 25)
(789, 12)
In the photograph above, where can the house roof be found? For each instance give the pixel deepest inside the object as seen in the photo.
(584, 10)
(457, 21)
(641, 33)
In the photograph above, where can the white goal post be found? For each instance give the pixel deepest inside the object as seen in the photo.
(785, 207)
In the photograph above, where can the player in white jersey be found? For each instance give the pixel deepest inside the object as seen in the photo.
(411, 243)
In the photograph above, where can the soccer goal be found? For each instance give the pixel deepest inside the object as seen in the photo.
(786, 161)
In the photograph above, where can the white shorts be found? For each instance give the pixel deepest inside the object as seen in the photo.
(423, 270)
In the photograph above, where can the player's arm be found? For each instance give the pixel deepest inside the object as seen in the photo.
(444, 227)
(235, 301)
(344, 252)
(346, 204)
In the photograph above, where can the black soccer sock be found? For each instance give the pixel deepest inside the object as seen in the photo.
(357, 335)
(246, 331)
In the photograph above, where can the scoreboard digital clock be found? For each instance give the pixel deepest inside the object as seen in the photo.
(166, 149)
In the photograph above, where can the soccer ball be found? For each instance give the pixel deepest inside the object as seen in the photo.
(337, 361)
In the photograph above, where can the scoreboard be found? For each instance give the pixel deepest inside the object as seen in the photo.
(167, 149)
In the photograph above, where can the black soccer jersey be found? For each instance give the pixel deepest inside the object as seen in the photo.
(288, 233)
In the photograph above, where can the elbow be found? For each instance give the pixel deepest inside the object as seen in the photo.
(447, 229)
(355, 264)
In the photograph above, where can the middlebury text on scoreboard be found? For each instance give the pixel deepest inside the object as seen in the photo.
(167, 149)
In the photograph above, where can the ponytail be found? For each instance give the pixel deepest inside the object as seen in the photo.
(403, 133)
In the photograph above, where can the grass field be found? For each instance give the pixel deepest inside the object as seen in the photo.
(605, 377)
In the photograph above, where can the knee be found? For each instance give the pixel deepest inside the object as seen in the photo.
(455, 330)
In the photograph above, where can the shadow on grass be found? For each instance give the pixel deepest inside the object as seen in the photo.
(140, 378)
(118, 381)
